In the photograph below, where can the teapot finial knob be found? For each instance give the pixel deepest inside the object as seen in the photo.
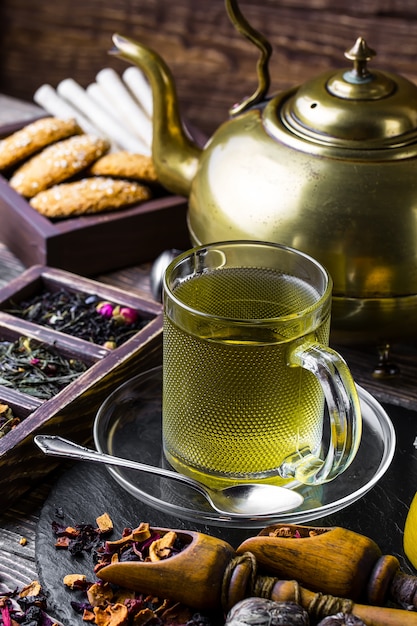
(360, 54)
(358, 83)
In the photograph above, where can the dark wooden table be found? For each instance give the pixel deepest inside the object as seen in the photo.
(17, 561)
(381, 514)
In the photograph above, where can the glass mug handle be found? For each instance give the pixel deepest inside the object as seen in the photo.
(344, 414)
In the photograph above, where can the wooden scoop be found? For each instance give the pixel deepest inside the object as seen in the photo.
(207, 574)
(334, 560)
(194, 576)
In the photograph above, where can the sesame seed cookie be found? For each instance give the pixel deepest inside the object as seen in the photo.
(57, 163)
(125, 164)
(32, 138)
(89, 196)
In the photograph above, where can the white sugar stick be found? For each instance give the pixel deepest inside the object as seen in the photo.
(101, 97)
(98, 94)
(140, 88)
(126, 108)
(47, 98)
(75, 94)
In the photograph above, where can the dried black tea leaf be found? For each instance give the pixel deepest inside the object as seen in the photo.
(81, 315)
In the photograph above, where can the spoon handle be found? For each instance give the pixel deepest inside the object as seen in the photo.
(53, 445)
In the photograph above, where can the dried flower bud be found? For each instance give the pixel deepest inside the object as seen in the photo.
(110, 345)
(116, 317)
(124, 315)
(129, 315)
(105, 309)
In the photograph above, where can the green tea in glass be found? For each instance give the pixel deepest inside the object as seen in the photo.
(247, 370)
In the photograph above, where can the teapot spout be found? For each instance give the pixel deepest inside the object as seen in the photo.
(176, 156)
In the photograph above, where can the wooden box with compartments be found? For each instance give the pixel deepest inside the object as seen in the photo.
(34, 348)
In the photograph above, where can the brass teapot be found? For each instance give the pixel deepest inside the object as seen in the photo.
(328, 167)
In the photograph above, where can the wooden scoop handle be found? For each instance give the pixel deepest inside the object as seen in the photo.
(319, 606)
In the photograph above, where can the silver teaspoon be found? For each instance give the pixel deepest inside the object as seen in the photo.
(242, 500)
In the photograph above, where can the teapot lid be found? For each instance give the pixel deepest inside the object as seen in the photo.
(352, 105)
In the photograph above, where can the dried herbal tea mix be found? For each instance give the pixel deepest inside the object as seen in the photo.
(81, 315)
(26, 607)
(108, 605)
(35, 369)
(8, 420)
(296, 532)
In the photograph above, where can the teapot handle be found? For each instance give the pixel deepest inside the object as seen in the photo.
(264, 46)
(344, 410)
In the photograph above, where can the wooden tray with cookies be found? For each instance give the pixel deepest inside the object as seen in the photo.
(66, 342)
(70, 199)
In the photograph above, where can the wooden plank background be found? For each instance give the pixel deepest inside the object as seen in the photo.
(214, 66)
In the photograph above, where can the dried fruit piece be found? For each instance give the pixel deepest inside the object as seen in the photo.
(99, 594)
(112, 615)
(104, 523)
(162, 548)
(32, 589)
(141, 533)
(74, 581)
